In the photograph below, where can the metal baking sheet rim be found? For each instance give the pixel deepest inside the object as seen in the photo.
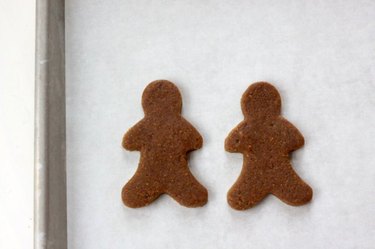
(50, 211)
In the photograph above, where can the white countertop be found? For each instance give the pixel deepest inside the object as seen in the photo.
(17, 25)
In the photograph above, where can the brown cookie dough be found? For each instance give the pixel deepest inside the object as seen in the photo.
(265, 139)
(164, 139)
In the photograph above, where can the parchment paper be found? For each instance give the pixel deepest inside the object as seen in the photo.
(319, 54)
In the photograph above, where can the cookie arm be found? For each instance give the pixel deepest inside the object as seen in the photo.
(296, 140)
(234, 140)
(132, 139)
(196, 139)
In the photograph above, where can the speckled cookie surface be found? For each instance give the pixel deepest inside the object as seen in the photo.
(265, 139)
(164, 139)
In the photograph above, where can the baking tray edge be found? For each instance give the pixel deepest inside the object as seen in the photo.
(50, 212)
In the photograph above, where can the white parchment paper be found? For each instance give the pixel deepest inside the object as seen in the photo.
(319, 54)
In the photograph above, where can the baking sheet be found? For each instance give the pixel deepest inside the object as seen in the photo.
(319, 54)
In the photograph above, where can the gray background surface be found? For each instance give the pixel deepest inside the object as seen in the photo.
(319, 54)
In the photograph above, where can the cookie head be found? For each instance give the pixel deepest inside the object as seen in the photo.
(161, 97)
(261, 100)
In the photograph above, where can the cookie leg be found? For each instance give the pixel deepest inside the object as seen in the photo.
(140, 192)
(187, 191)
(246, 193)
(293, 191)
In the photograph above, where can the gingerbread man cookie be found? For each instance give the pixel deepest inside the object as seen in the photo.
(164, 139)
(265, 139)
